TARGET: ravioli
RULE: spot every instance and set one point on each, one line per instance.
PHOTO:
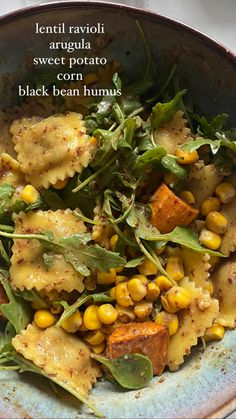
(52, 149)
(28, 269)
(193, 323)
(60, 355)
(173, 133)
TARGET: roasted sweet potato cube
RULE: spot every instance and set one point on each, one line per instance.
(145, 338)
(169, 211)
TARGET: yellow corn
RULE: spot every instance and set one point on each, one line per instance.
(147, 268)
(60, 184)
(122, 295)
(113, 293)
(90, 78)
(174, 268)
(98, 349)
(188, 197)
(106, 278)
(137, 289)
(113, 241)
(166, 305)
(73, 323)
(216, 222)
(169, 320)
(163, 283)
(120, 278)
(44, 319)
(29, 194)
(93, 140)
(95, 338)
(83, 328)
(178, 297)
(225, 192)
(210, 204)
(186, 157)
(143, 309)
(107, 314)
(169, 178)
(143, 278)
(153, 291)
(215, 332)
(96, 234)
(91, 319)
(210, 239)
(125, 314)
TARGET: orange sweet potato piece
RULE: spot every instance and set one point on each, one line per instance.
(145, 338)
(169, 211)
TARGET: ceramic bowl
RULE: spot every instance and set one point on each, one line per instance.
(206, 384)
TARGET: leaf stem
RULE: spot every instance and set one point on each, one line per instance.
(4, 227)
(10, 368)
(88, 220)
(93, 176)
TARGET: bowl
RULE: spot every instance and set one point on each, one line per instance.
(206, 384)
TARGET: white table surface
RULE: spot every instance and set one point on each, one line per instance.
(214, 17)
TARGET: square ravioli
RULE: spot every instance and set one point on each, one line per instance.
(28, 269)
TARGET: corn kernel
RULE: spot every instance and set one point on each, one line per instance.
(148, 268)
(143, 278)
(29, 194)
(120, 278)
(44, 319)
(166, 305)
(83, 328)
(113, 293)
(178, 297)
(216, 222)
(96, 234)
(137, 289)
(174, 268)
(107, 314)
(93, 140)
(60, 184)
(122, 295)
(98, 349)
(210, 204)
(72, 323)
(91, 319)
(113, 241)
(210, 239)
(90, 78)
(188, 197)
(186, 157)
(143, 309)
(106, 278)
(125, 314)
(225, 192)
(95, 337)
(215, 332)
(169, 320)
(169, 178)
(163, 283)
(153, 291)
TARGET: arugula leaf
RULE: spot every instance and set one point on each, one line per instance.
(169, 162)
(16, 311)
(101, 297)
(133, 263)
(163, 112)
(83, 199)
(4, 254)
(117, 81)
(209, 128)
(184, 236)
(132, 371)
(32, 296)
(52, 199)
(147, 159)
(214, 144)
